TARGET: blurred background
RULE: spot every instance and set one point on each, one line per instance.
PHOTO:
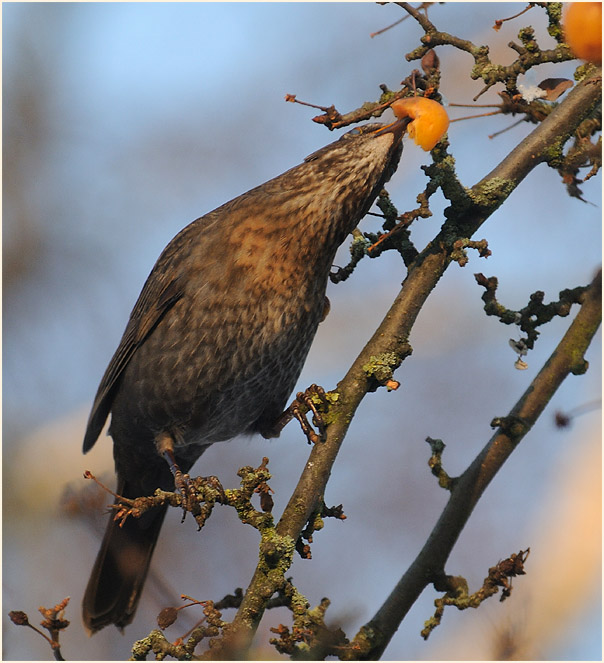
(125, 121)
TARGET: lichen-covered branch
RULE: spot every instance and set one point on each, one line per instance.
(535, 314)
(529, 52)
(457, 593)
(429, 565)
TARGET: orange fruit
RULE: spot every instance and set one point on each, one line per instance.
(583, 30)
(430, 119)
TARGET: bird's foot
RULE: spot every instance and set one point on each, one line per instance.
(310, 400)
(182, 482)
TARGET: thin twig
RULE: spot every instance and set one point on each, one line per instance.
(388, 27)
(471, 117)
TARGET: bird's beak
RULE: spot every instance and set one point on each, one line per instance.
(398, 128)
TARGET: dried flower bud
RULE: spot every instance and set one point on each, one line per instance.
(266, 502)
(554, 87)
(430, 61)
(19, 617)
(167, 617)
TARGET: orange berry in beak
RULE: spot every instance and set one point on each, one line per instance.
(430, 119)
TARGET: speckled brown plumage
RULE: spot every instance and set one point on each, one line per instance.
(219, 335)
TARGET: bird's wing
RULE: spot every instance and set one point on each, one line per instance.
(156, 299)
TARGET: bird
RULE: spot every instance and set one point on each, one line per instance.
(218, 337)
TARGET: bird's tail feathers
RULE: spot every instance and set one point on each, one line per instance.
(120, 570)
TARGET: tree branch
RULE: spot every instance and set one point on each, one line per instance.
(468, 211)
(567, 358)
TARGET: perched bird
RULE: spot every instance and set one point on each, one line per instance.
(219, 335)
